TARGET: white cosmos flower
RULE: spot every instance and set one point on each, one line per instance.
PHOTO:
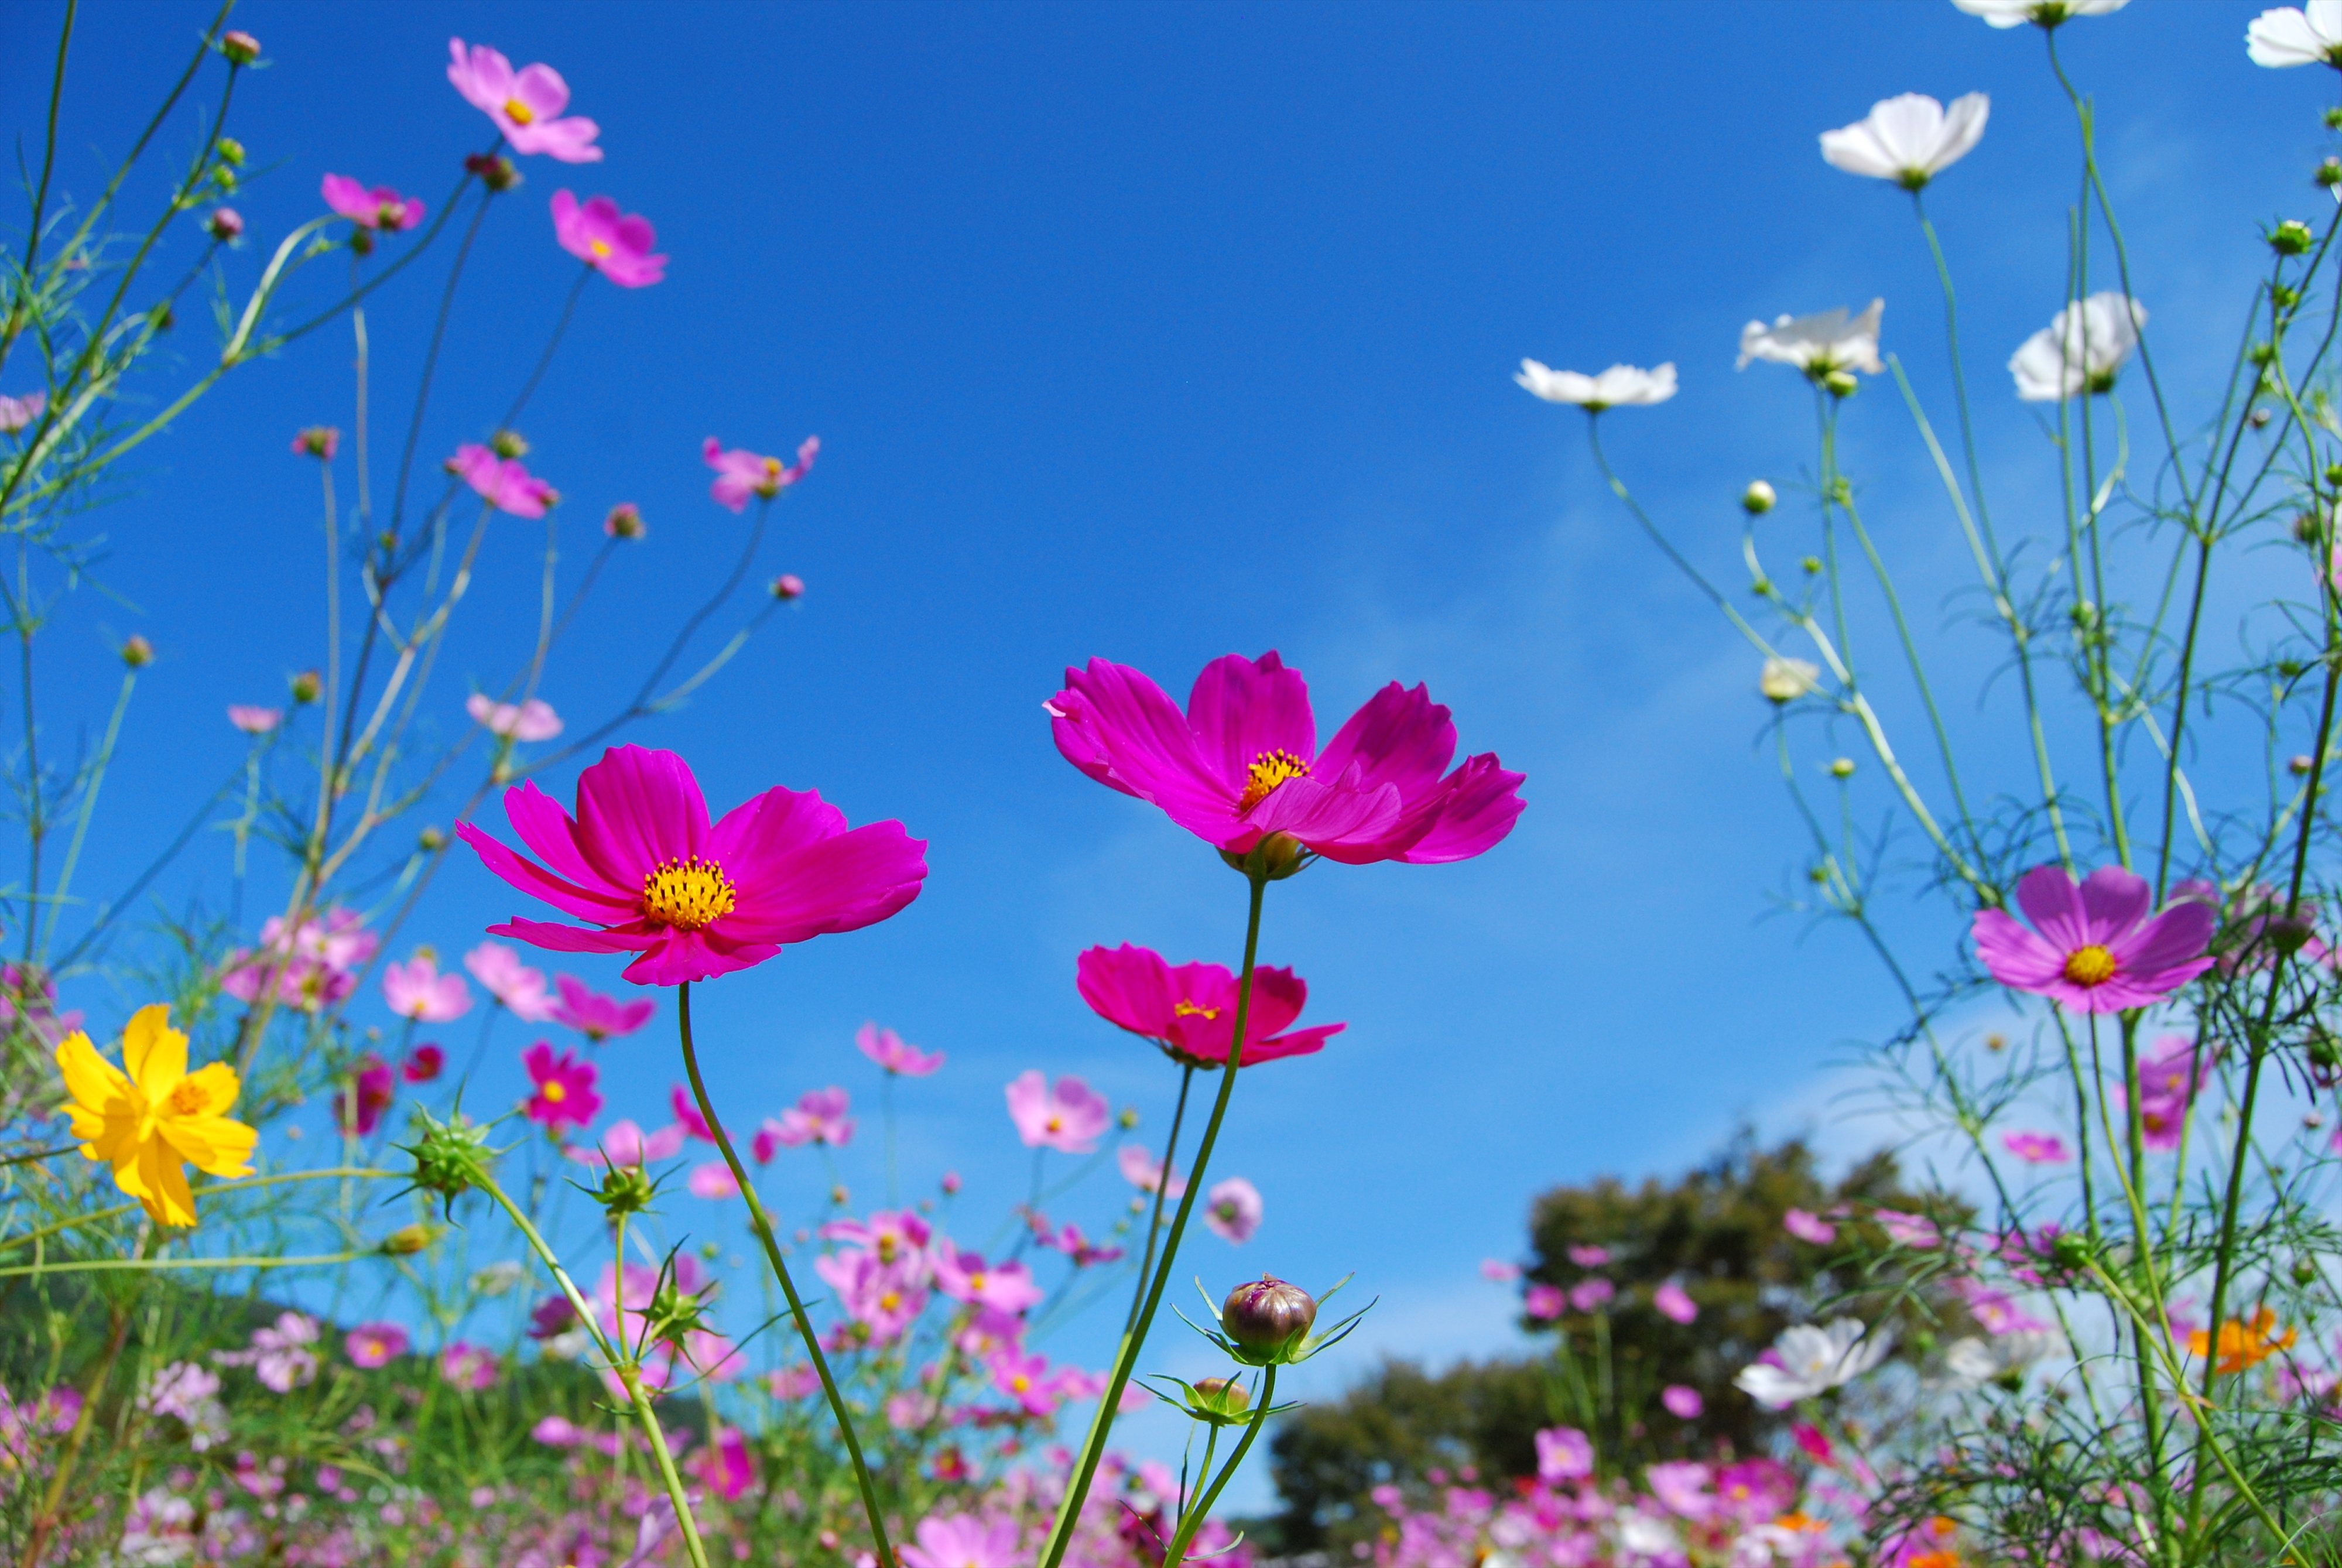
(1911, 139)
(1813, 1362)
(2307, 35)
(2079, 351)
(1620, 386)
(1974, 1362)
(1818, 344)
(1787, 680)
(2040, 13)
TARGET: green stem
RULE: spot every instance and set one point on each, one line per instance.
(1162, 1185)
(88, 807)
(1202, 1511)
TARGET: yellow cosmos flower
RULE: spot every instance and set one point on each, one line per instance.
(147, 1122)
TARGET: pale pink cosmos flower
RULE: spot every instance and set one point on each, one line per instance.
(1232, 1209)
(793, 1381)
(597, 1017)
(2096, 946)
(317, 440)
(890, 1051)
(1589, 1295)
(1681, 1488)
(374, 1345)
(1913, 1231)
(526, 104)
(468, 1366)
(1809, 1227)
(2036, 1148)
(1564, 1453)
(686, 1115)
(965, 1276)
(740, 474)
(964, 1541)
(1544, 1302)
(379, 208)
(514, 985)
(626, 1144)
(533, 720)
(1067, 1118)
(1499, 1270)
(819, 1117)
(503, 482)
(713, 1180)
(1683, 1402)
(15, 413)
(1142, 1170)
(1674, 1303)
(255, 720)
(416, 990)
(616, 245)
(280, 1355)
(1589, 1257)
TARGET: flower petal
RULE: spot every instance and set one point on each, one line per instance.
(1242, 709)
(639, 810)
(2116, 900)
(154, 1054)
(2051, 900)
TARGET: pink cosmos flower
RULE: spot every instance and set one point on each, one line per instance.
(1499, 1270)
(1080, 1250)
(514, 985)
(965, 1277)
(686, 1115)
(503, 482)
(358, 1104)
(533, 720)
(1190, 1011)
(565, 1088)
(1996, 1310)
(1684, 1403)
(626, 1144)
(318, 440)
(641, 860)
(1810, 1228)
(1681, 1488)
(1814, 1443)
(2036, 1148)
(896, 1238)
(1564, 1453)
(1754, 1492)
(766, 1144)
(2097, 949)
(889, 1049)
(1544, 1302)
(819, 1117)
(1915, 1231)
(740, 474)
(253, 720)
(1674, 1303)
(726, 1466)
(597, 1017)
(2169, 1076)
(964, 1541)
(1232, 1209)
(793, 1381)
(526, 104)
(617, 245)
(1067, 1118)
(374, 1345)
(16, 412)
(1589, 1257)
(416, 990)
(1588, 1295)
(422, 1063)
(1243, 763)
(1024, 1379)
(713, 1180)
(468, 1366)
(379, 208)
(885, 1299)
(280, 1355)
(1142, 1170)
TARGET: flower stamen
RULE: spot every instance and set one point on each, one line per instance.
(518, 113)
(1185, 1009)
(2090, 965)
(1269, 770)
(688, 894)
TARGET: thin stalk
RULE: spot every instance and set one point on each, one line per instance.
(18, 311)
(1202, 1511)
(1162, 1185)
(88, 808)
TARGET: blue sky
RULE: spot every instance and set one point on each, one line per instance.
(1156, 333)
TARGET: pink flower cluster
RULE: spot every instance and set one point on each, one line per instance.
(312, 965)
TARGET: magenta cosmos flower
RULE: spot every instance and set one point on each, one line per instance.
(1190, 1009)
(503, 482)
(964, 1541)
(565, 1093)
(740, 474)
(890, 1051)
(642, 861)
(1067, 1118)
(2095, 947)
(596, 1016)
(819, 1117)
(1243, 763)
(379, 208)
(2036, 1148)
(374, 1345)
(1811, 1229)
(526, 104)
(359, 1103)
(416, 990)
(616, 245)
(1674, 1303)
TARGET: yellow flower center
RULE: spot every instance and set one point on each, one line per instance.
(1056, 1124)
(886, 1249)
(1269, 770)
(518, 113)
(600, 249)
(688, 893)
(1190, 1010)
(554, 1091)
(975, 1282)
(889, 1301)
(1020, 1383)
(2091, 965)
(187, 1098)
(772, 468)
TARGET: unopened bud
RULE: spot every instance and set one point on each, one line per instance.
(1841, 767)
(508, 443)
(224, 224)
(431, 838)
(1220, 1396)
(240, 47)
(1129, 1117)
(840, 1195)
(1758, 498)
(361, 242)
(138, 653)
(951, 1182)
(2333, 118)
(451, 1157)
(2071, 1250)
(625, 1190)
(1812, 563)
(230, 153)
(2305, 1272)
(163, 317)
(1785, 680)
(788, 586)
(1268, 1318)
(407, 1240)
(318, 440)
(496, 170)
(625, 522)
(2259, 418)
(2298, 766)
(2291, 238)
(2305, 527)
(1273, 859)
(1996, 1042)
(306, 686)
(1841, 384)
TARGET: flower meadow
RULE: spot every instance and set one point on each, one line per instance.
(468, 1333)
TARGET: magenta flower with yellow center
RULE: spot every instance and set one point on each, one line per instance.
(156, 1117)
(503, 482)
(1190, 1009)
(616, 245)
(526, 104)
(379, 208)
(740, 474)
(565, 1093)
(1243, 763)
(643, 862)
(2096, 946)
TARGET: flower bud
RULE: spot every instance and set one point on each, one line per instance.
(2304, 1271)
(2071, 1250)
(2298, 766)
(407, 1240)
(1219, 1396)
(625, 522)
(1129, 1117)
(451, 1157)
(1812, 563)
(230, 153)
(1841, 767)
(2333, 118)
(318, 440)
(625, 1190)
(950, 1182)
(1787, 680)
(240, 47)
(840, 1195)
(508, 445)
(224, 224)
(2291, 238)
(496, 172)
(2305, 527)
(1758, 498)
(138, 653)
(1273, 859)
(163, 317)
(788, 586)
(1268, 1318)
(306, 686)
(1996, 1041)
(2259, 417)
(361, 242)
